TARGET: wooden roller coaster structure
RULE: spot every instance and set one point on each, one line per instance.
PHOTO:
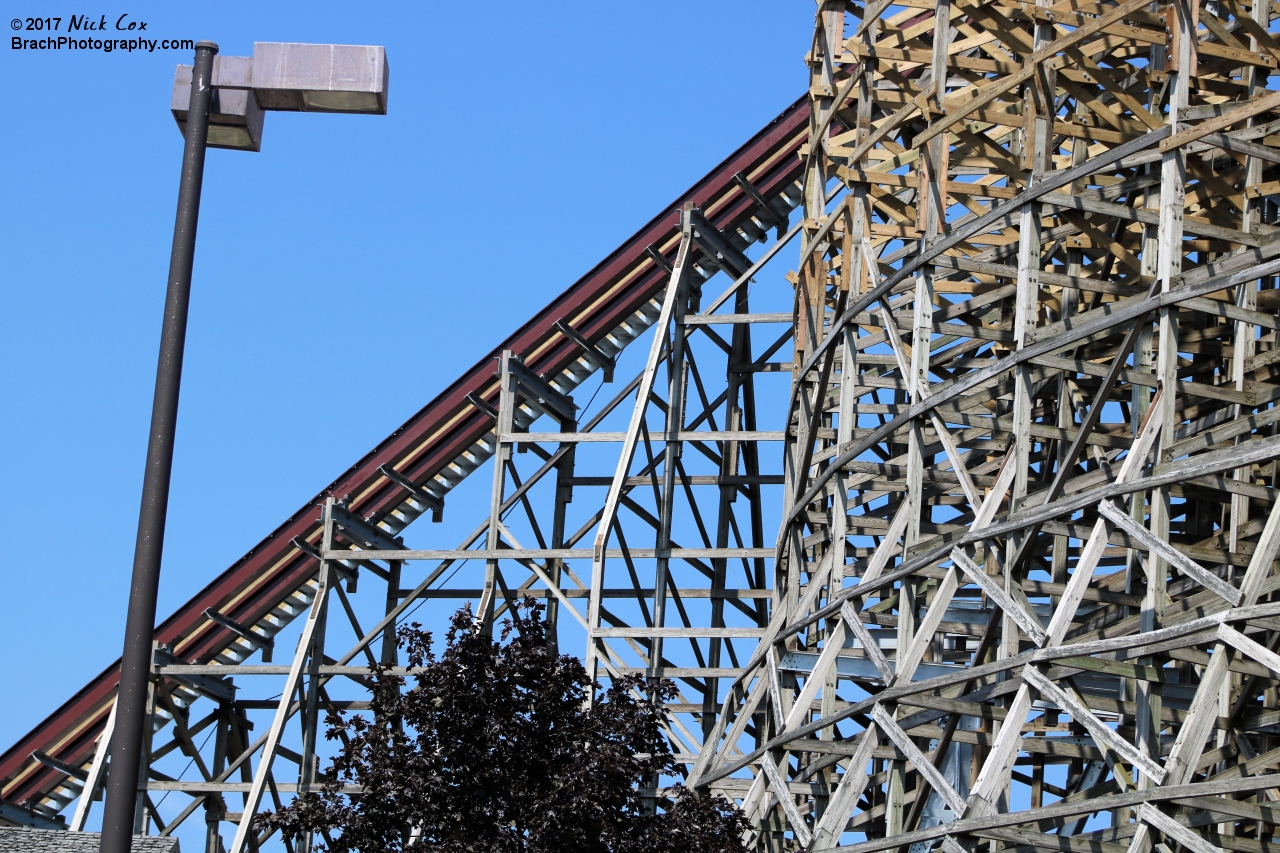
(1022, 593)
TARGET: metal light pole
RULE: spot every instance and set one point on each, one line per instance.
(289, 78)
(135, 665)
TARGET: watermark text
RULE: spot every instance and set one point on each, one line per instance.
(90, 32)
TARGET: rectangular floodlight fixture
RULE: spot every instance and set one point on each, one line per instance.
(235, 119)
(330, 78)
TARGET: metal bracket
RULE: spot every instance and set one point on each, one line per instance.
(591, 351)
(23, 816)
(658, 258)
(766, 211)
(475, 400)
(539, 393)
(217, 689)
(60, 765)
(359, 532)
(421, 495)
(260, 640)
(314, 553)
(710, 240)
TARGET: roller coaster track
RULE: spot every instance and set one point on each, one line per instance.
(1023, 593)
(751, 191)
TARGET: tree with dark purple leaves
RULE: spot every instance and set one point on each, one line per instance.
(495, 750)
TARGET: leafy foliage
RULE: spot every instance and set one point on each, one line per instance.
(495, 751)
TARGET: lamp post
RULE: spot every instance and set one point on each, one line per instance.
(218, 102)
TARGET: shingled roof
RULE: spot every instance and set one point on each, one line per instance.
(18, 839)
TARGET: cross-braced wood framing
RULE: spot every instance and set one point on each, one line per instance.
(1034, 362)
(997, 572)
(640, 513)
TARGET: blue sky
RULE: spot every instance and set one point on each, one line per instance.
(344, 274)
